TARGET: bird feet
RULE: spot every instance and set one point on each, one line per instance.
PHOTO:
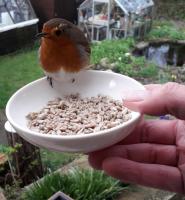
(50, 80)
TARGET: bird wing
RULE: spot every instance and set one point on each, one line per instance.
(78, 37)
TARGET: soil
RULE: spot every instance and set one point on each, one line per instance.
(3, 119)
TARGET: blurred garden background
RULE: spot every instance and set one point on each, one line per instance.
(157, 57)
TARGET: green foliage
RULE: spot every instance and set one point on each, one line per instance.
(112, 49)
(116, 51)
(166, 30)
(78, 184)
(138, 67)
(53, 160)
(6, 149)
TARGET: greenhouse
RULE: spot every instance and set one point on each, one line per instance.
(14, 12)
(112, 19)
(18, 24)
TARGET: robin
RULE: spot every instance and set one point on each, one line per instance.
(64, 49)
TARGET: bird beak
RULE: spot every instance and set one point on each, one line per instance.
(42, 34)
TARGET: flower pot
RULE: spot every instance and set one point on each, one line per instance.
(60, 196)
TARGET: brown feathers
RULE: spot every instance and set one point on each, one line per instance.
(64, 46)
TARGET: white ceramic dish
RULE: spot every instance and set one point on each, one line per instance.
(35, 95)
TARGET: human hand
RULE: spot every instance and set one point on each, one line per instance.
(154, 153)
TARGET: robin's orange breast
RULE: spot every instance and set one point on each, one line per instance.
(55, 55)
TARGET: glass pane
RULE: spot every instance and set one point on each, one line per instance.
(135, 6)
(87, 3)
(15, 11)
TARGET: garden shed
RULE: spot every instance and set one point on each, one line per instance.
(18, 24)
(111, 19)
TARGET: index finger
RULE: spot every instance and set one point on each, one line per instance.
(158, 100)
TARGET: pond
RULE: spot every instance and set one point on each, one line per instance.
(163, 53)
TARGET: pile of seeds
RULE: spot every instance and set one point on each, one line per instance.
(74, 115)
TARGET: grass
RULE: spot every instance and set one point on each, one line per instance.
(79, 184)
(53, 161)
(17, 70)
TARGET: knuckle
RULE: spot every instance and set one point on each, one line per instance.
(169, 91)
(179, 129)
(146, 129)
(153, 154)
(170, 87)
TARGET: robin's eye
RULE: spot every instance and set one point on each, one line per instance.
(58, 32)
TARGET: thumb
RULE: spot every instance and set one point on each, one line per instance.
(158, 100)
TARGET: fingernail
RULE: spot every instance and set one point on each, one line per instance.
(134, 95)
